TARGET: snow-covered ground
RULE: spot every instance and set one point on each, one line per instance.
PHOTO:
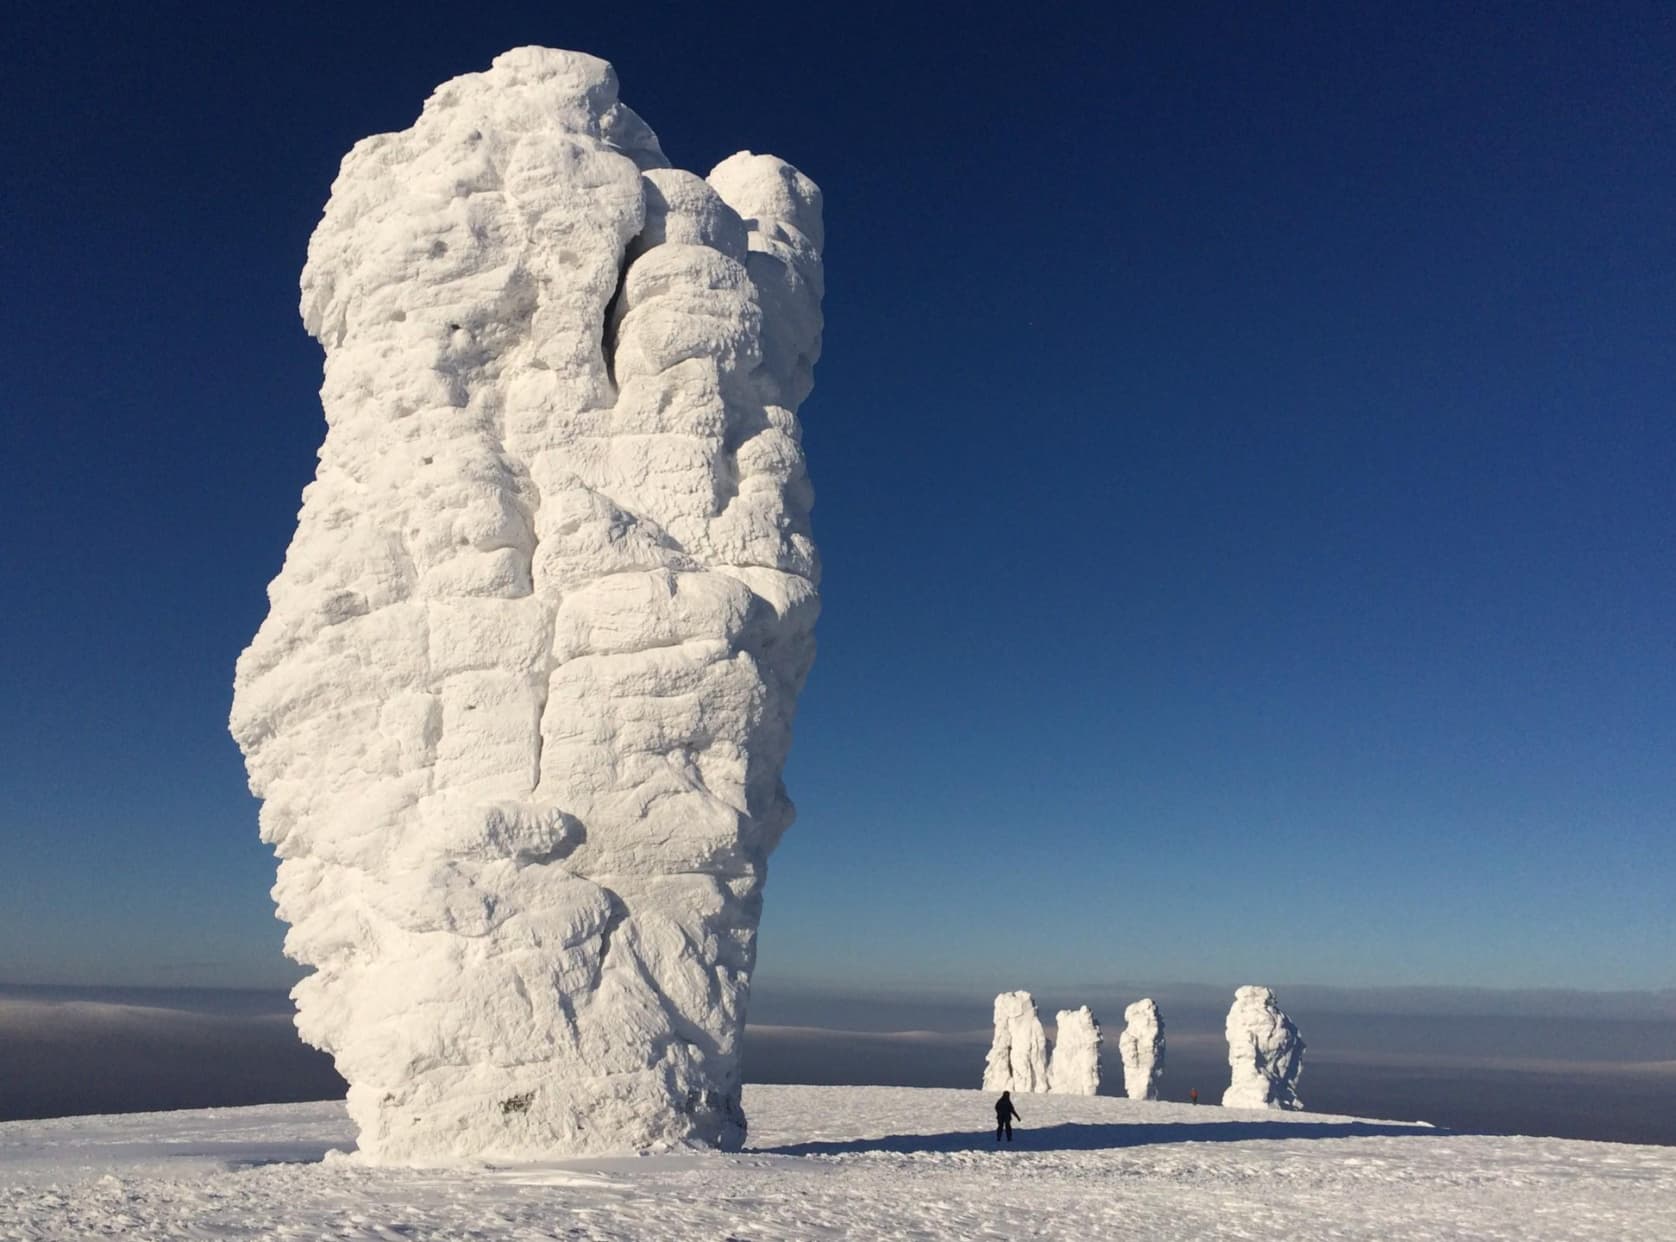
(845, 1162)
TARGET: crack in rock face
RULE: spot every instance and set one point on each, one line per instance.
(519, 709)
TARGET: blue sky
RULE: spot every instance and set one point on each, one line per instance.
(1244, 456)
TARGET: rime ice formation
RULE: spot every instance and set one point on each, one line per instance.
(521, 703)
(1264, 1053)
(1018, 1056)
(1075, 1066)
(1142, 1048)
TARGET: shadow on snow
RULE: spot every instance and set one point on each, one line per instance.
(1069, 1137)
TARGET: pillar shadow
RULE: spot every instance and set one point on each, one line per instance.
(1071, 1137)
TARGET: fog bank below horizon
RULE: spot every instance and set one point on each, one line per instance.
(67, 1051)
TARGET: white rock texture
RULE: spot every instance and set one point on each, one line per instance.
(519, 710)
(1264, 1053)
(1018, 1056)
(1142, 1048)
(1074, 1068)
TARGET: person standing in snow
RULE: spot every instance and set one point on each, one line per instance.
(1193, 1095)
(1005, 1114)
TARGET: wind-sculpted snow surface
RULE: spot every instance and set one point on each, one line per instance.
(1264, 1053)
(864, 1164)
(1142, 1048)
(520, 706)
(1018, 1056)
(1075, 1066)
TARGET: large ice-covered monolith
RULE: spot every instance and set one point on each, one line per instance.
(1018, 1056)
(520, 706)
(1074, 1068)
(1142, 1048)
(1264, 1053)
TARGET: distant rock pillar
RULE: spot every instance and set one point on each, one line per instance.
(1075, 1066)
(1018, 1056)
(1265, 1053)
(1142, 1048)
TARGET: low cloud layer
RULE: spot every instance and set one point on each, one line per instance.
(64, 1056)
(64, 1052)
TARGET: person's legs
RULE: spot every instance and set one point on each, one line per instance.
(1009, 1130)
(998, 1126)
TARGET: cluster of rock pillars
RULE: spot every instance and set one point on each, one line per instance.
(1265, 1053)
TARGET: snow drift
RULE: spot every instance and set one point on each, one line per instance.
(1018, 1056)
(520, 707)
(1075, 1066)
(1264, 1053)
(1142, 1048)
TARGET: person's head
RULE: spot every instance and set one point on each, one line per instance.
(1006, 1095)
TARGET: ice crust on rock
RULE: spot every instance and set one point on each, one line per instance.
(1265, 1054)
(1018, 1056)
(519, 709)
(1074, 1068)
(1141, 1046)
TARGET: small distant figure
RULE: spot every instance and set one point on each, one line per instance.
(1005, 1115)
(1193, 1096)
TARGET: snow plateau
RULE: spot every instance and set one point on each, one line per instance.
(857, 1163)
(519, 710)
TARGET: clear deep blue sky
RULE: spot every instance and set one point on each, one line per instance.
(1244, 451)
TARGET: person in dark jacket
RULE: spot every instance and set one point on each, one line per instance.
(1005, 1114)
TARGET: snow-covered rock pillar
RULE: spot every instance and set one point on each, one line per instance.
(1074, 1068)
(520, 707)
(1018, 1056)
(1264, 1053)
(1142, 1048)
